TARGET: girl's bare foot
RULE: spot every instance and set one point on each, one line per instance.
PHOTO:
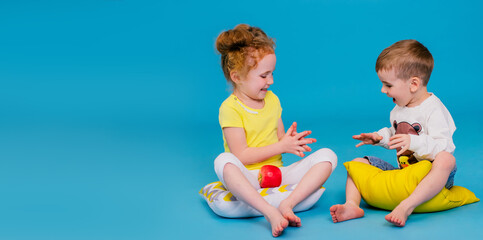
(287, 212)
(345, 212)
(277, 221)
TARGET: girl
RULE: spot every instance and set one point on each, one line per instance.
(253, 130)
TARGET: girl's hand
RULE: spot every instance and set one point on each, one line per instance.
(400, 141)
(294, 132)
(367, 138)
(293, 142)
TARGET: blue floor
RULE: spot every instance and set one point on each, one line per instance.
(108, 111)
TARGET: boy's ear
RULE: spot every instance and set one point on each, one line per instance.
(415, 83)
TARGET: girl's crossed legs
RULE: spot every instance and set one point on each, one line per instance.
(309, 174)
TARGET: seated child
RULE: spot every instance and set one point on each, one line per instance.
(253, 131)
(421, 128)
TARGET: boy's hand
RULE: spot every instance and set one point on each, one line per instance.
(296, 143)
(400, 141)
(367, 138)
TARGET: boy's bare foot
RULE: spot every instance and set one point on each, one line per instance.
(347, 211)
(287, 212)
(277, 221)
(399, 215)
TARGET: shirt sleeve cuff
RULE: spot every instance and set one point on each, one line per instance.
(385, 137)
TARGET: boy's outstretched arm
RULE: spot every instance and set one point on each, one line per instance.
(367, 138)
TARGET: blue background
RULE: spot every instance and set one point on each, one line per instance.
(109, 110)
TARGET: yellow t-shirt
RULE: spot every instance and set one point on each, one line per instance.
(260, 125)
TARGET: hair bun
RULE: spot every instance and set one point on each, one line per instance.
(239, 44)
(234, 39)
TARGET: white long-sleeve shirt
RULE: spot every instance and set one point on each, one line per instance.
(436, 128)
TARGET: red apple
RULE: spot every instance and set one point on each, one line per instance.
(269, 176)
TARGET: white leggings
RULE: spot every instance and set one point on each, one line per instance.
(291, 174)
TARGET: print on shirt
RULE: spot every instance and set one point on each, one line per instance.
(407, 128)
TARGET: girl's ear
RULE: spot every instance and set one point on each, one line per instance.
(415, 83)
(234, 76)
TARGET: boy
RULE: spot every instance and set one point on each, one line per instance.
(422, 128)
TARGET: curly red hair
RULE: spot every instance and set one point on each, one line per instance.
(241, 48)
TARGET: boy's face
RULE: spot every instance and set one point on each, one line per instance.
(397, 89)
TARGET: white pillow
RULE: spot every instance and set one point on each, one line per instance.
(223, 203)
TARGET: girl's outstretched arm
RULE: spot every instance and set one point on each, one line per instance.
(236, 140)
(281, 133)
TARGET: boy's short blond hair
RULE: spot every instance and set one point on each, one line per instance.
(409, 58)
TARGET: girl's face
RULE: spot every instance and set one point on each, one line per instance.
(254, 86)
(397, 89)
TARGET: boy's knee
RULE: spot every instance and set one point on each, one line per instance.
(362, 160)
(444, 160)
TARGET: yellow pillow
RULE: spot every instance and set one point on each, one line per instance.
(386, 189)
